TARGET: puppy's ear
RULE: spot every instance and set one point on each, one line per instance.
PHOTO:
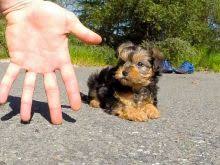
(158, 58)
(124, 50)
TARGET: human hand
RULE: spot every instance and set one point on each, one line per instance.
(37, 41)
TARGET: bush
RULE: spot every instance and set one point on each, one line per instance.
(174, 49)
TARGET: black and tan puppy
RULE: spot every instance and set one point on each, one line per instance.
(128, 90)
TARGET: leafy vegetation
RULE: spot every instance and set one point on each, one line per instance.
(3, 48)
(179, 51)
(182, 29)
(153, 20)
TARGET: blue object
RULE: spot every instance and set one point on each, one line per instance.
(185, 68)
(167, 67)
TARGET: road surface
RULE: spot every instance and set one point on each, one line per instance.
(188, 131)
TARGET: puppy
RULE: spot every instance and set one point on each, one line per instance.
(129, 89)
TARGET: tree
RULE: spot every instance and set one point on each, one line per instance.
(71, 5)
(153, 20)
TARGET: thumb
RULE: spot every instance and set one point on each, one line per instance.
(75, 27)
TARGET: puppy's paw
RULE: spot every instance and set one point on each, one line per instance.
(152, 111)
(94, 104)
(132, 114)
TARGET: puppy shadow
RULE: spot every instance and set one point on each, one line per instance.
(37, 107)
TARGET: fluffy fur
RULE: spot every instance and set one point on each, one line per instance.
(129, 89)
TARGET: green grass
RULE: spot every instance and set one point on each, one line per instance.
(210, 62)
(3, 50)
(205, 60)
(214, 62)
(88, 55)
(81, 54)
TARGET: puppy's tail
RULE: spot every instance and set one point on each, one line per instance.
(85, 98)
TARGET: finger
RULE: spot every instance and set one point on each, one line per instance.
(80, 31)
(27, 94)
(72, 88)
(7, 81)
(53, 96)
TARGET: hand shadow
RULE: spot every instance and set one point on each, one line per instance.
(37, 107)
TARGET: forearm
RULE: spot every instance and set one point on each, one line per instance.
(7, 6)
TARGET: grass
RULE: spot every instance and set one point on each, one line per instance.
(205, 60)
(3, 49)
(210, 62)
(88, 55)
(214, 62)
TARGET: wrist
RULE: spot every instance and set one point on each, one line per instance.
(7, 6)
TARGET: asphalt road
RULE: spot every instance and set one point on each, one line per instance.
(188, 131)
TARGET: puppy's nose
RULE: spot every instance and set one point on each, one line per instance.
(125, 73)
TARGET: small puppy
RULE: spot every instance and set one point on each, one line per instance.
(128, 90)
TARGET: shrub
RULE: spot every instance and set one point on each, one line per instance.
(174, 49)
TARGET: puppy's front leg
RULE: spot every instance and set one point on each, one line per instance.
(94, 103)
(131, 113)
(151, 111)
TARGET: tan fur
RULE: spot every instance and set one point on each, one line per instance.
(152, 111)
(94, 103)
(121, 50)
(125, 95)
(134, 75)
(130, 111)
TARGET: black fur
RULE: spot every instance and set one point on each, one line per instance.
(105, 85)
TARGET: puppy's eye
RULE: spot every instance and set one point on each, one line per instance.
(140, 64)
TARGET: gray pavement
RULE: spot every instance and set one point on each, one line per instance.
(188, 131)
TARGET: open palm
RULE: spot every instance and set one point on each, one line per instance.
(37, 41)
